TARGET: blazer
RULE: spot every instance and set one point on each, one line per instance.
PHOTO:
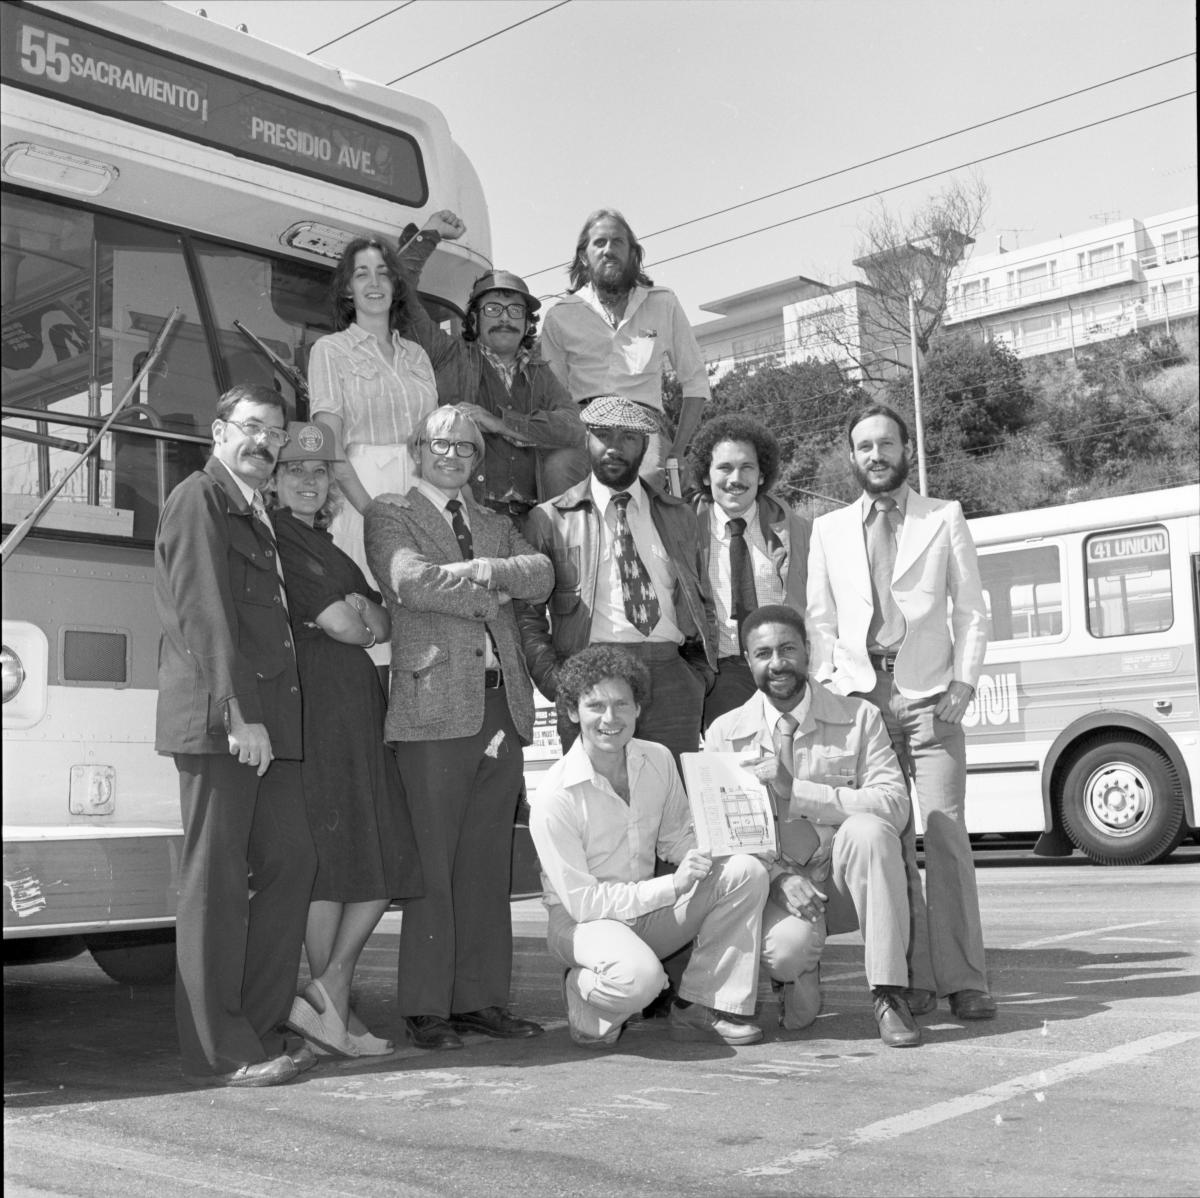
(439, 622)
(935, 566)
(787, 535)
(225, 631)
(567, 530)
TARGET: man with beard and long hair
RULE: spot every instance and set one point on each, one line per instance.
(841, 806)
(615, 330)
(627, 572)
(882, 574)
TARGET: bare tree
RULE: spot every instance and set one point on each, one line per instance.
(901, 256)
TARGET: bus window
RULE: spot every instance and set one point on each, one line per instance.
(1023, 592)
(284, 304)
(1129, 582)
(92, 294)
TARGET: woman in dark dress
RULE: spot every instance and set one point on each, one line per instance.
(357, 811)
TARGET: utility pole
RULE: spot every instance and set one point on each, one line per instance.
(922, 474)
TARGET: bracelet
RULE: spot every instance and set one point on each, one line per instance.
(371, 634)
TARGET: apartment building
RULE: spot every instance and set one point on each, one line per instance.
(1059, 295)
(1089, 286)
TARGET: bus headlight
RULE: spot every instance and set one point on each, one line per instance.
(13, 672)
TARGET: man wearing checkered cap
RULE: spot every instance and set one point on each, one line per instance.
(627, 572)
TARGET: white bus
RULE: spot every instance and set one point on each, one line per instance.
(1085, 726)
(150, 160)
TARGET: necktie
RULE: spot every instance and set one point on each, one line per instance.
(743, 597)
(798, 839)
(887, 624)
(461, 531)
(259, 511)
(637, 591)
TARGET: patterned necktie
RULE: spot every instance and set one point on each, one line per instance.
(637, 591)
(259, 511)
(886, 629)
(461, 531)
(743, 597)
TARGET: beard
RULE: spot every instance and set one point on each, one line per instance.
(615, 472)
(889, 482)
(613, 277)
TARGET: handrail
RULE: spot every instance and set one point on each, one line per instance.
(23, 529)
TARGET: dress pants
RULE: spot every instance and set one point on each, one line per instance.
(947, 941)
(621, 963)
(456, 940)
(734, 685)
(244, 884)
(671, 716)
(866, 889)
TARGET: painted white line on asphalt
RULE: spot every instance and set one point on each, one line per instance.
(1117, 927)
(954, 1108)
(1130, 975)
(1141, 939)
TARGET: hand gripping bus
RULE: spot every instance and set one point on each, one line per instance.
(152, 160)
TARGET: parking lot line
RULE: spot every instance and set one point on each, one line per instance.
(1117, 927)
(940, 1112)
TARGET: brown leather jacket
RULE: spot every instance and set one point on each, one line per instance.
(567, 531)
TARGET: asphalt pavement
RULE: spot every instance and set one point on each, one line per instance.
(1088, 1082)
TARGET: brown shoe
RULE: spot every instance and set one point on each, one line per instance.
(274, 1072)
(897, 1027)
(972, 1004)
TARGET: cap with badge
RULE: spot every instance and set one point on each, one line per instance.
(612, 411)
(309, 443)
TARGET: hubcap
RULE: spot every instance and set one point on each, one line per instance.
(1118, 799)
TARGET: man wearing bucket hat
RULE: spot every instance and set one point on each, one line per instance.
(492, 373)
(627, 572)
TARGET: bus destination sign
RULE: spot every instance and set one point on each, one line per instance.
(1135, 548)
(80, 65)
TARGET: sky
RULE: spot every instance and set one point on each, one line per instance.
(673, 109)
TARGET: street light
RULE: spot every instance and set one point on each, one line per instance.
(922, 473)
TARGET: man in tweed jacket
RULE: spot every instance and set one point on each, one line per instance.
(459, 712)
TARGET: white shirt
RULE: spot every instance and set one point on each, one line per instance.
(609, 622)
(767, 586)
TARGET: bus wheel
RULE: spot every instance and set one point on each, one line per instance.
(133, 959)
(1122, 803)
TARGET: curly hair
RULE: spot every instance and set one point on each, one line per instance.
(339, 288)
(735, 428)
(590, 667)
(470, 329)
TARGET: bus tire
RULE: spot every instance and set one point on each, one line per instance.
(1122, 802)
(133, 960)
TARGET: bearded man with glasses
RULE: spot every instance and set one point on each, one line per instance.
(460, 711)
(492, 373)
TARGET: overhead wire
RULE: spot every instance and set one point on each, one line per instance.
(350, 32)
(462, 50)
(878, 191)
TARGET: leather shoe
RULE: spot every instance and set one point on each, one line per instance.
(921, 1002)
(431, 1031)
(274, 1072)
(897, 1027)
(495, 1022)
(972, 1004)
(698, 1022)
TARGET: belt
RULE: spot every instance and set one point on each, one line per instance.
(886, 662)
(493, 679)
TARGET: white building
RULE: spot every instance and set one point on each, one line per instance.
(1089, 286)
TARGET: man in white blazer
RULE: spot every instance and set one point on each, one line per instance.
(896, 615)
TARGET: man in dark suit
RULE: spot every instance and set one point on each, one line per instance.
(229, 713)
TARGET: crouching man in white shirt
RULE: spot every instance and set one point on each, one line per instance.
(597, 821)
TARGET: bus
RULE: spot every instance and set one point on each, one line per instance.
(1085, 726)
(152, 160)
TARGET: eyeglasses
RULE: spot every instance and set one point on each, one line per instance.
(514, 311)
(278, 437)
(462, 449)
